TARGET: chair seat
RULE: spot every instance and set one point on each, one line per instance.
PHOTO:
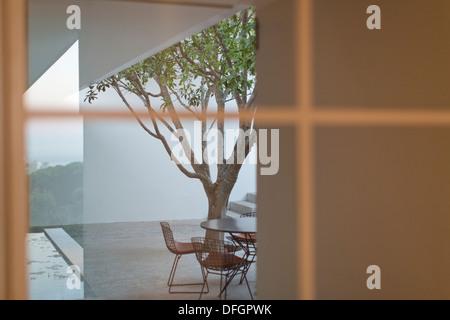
(245, 237)
(218, 260)
(184, 247)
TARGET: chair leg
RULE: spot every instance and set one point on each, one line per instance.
(244, 272)
(226, 285)
(229, 276)
(248, 286)
(220, 287)
(247, 268)
(205, 281)
(172, 271)
(172, 277)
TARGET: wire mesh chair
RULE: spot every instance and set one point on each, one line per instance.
(218, 257)
(179, 249)
(246, 241)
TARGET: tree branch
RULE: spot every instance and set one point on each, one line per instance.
(192, 62)
(119, 92)
(187, 173)
(158, 134)
(226, 53)
(197, 116)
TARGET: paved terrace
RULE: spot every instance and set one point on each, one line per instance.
(130, 261)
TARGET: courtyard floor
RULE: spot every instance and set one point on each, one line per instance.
(124, 261)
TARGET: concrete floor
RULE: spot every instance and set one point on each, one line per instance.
(131, 261)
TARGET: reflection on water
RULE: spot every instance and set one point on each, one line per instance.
(47, 271)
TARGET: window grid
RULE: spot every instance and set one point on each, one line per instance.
(14, 197)
(304, 155)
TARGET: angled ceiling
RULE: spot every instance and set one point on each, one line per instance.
(115, 34)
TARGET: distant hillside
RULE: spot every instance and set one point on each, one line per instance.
(56, 195)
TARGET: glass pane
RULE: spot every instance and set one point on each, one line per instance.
(130, 186)
(382, 199)
(403, 65)
(126, 176)
(277, 58)
(277, 221)
(55, 239)
(98, 192)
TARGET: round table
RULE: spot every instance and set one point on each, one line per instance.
(231, 225)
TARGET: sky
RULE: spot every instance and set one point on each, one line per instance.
(56, 140)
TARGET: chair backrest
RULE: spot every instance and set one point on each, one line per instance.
(215, 254)
(168, 237)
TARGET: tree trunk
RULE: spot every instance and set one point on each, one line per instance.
(218, 195)
(217, 208)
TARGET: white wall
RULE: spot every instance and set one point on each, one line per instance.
(128, 176)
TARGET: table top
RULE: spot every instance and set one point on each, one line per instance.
(231, 225)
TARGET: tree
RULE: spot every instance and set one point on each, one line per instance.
(56, 195)
(219, 63)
